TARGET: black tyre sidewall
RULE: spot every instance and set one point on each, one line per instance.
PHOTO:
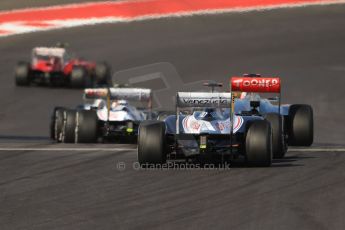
(69, 126)
(102, 74)
(258, 144)
(52, 123)
(278, 145)
(22, 73)
(79, 78)
(152, 143)
(59, 122)
(301, 125)
(87, 130)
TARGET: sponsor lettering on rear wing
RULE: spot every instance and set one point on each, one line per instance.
(203, 99)
(130, 94)
(255, 84)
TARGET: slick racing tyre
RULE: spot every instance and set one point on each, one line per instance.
(56, 125)
(86, 126)
(152, 143)
(22, 74)
(102, 74)
(278, 141)
(69, 126)
(258, 144)
(80, 78)
(301, 125)
(53, 122)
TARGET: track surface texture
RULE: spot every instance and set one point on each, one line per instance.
(85, 189)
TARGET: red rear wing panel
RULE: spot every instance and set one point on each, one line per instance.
(255, 84)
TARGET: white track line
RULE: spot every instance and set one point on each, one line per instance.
(321, 149)
(68, 149)
(317, 150)
(17, 27)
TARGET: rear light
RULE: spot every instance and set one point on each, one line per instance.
(203, 142)
(129, 127)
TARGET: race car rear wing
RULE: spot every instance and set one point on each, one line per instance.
(203, 99)
(130, 94)
(200, 100)
(255, 84)
(49, 51)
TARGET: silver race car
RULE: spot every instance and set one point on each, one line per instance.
(107, 116)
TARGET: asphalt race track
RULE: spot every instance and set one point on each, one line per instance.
(51, 186)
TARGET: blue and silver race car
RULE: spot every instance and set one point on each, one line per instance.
(228, 125)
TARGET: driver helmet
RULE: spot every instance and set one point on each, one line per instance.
(209, 114)
(122, 102)
(118, 104)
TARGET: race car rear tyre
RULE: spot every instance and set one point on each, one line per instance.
(278, 141)
(53, 121)
(22, 72)
(102, 74)
(80, 78)
(301, 125)
(69, 126)
(56, 127)
(152, 143)
(86, 126)
(258, 144)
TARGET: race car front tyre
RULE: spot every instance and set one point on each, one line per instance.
(22, 72)
(102, 74)
(86, 126)
(80, 78)
(278, 141)
(301, 125)
(151, 143)
(69, 126)
(258, 144)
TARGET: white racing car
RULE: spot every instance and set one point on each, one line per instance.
(109, 116)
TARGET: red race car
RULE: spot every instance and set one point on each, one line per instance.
(52, 66)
